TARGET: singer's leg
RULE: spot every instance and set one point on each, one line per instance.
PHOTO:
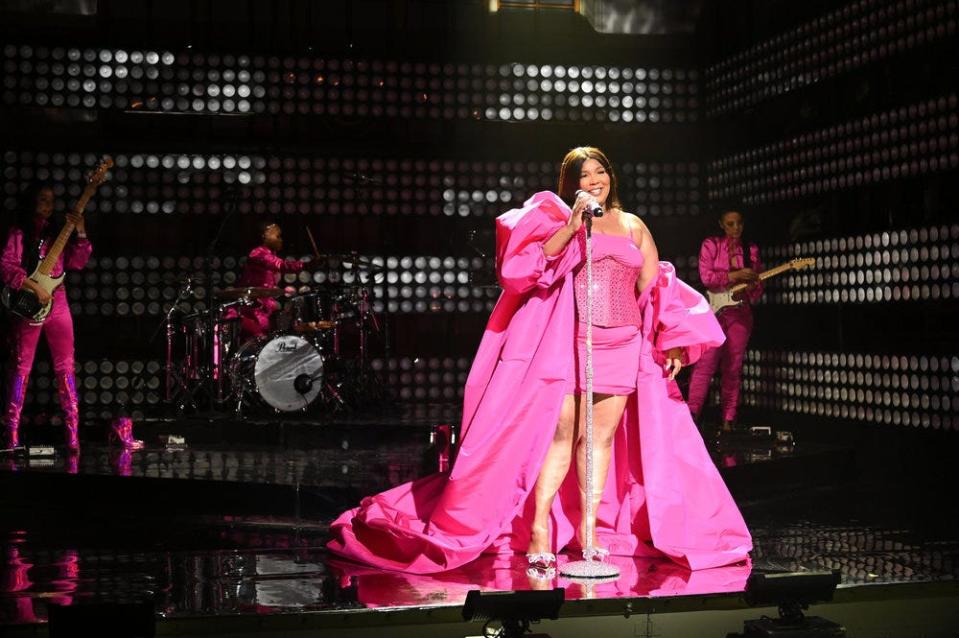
(607, 413)
(551, 475)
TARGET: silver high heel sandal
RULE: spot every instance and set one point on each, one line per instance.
(598, 553)
(541, 574)
(542, 560)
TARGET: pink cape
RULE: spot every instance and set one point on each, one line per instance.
(664, 496)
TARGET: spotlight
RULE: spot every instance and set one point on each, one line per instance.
(515, 610)
(792, 593)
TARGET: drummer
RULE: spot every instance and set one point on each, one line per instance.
(263, 269)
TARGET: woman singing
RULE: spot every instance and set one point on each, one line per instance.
(513, 487)
(27, 242)
(722, 263)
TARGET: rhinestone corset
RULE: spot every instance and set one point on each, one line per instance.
(616, 268)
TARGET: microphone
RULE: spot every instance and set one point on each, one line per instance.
(593, 206)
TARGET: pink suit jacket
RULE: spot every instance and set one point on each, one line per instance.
(714, 265)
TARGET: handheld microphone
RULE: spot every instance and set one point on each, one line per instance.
(593, 206)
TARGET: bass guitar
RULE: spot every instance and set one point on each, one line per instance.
(24, 302)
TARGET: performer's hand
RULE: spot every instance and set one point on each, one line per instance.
(750, 286)
(579, 207)
(42, 295)
(77, 220)
(674, 362)
(742, 275)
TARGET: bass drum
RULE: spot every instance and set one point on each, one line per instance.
(285, 371)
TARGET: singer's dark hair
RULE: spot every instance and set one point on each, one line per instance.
(570, 171)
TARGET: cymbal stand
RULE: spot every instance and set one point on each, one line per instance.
(174, 377)
(210, 379)
(220, 349)
(176, 382)
(368, 383)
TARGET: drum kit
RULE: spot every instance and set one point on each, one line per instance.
(316, 359)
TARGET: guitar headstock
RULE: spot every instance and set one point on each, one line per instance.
(100, 174)
(802, 262)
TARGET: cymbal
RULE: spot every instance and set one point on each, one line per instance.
(301, 327)
(251, 292)
(365, 265)
(355, 260)
(327, 286)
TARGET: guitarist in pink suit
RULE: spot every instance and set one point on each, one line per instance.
(27, 242)
(722, 263)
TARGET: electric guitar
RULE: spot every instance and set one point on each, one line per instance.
(24, 302)
(720, 300)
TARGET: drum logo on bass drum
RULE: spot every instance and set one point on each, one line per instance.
(282, 346)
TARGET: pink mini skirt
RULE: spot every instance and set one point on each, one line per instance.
(615, 359)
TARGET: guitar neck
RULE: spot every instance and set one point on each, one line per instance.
(772, 272)
(766, 274)
(53, 254)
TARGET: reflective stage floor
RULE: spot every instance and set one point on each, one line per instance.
(228, 538)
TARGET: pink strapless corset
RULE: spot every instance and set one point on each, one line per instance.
(617, 262)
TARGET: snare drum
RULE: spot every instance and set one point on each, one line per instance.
(283, 371)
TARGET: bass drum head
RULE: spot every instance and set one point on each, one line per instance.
(280, 362)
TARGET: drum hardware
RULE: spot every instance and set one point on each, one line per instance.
(353, 303)
(318, 359)
(198, 345)
(213, 381)
(303, 382)
(279, 371)
(333, 399)
(175, 379)
(248, 294)
(184, 379)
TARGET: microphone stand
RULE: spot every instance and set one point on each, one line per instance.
(138, 381)
(589, 567)
(214, 381)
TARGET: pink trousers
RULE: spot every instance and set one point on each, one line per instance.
(58, 329)
(737, 323)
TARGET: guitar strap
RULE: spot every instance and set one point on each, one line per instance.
(748, 250)
(34, 255)
(33, 248)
